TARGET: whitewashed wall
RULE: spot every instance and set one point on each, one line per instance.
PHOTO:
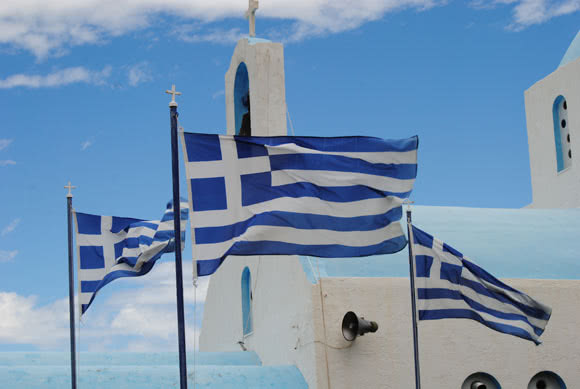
(288, 329)
(550, 188)
(283, 325)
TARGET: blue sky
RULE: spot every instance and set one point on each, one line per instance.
(81, 97)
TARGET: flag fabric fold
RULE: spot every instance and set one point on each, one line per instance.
(449, 285)
(325, 197)
(110, 247)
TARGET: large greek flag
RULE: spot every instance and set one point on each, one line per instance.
(109, 247)
(449, 285)
(324, 197)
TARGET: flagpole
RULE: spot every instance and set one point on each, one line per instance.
(177, 230)
(413, 304)
(71, 288)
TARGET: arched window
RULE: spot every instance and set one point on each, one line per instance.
(247, 301)
(242, 101)
(480, 381)
(546, 380)
(562, 134)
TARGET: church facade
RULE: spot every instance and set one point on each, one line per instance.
(289, 310)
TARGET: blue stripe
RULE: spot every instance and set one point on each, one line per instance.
(89, 286)
(439, 293)
(184, 214)
(121, 223)
(205, 147)
(436, 314)
(257, 188)
(208, 267)
(348, 144)
(147, 266)
(324, 251)
(340, 163)
(207, 235)
(147, 224)
(450, 272)
(484, 275)
(526, 309)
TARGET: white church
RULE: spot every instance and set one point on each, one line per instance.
(285, 313)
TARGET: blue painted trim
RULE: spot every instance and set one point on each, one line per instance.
(241, 89)
(247, 320)
(573, 52)
(557, 133)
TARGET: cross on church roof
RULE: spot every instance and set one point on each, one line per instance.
(69, 187)
(251, 15)
(173, 93)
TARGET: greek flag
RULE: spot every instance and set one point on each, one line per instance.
(449, 285)
(324, 197)
(109, 247)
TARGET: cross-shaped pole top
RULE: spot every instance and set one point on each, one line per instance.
(69, 187)
(173, 93)
(251, 15)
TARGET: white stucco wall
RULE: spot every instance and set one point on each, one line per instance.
(550, 188)
(450, 350)
(265, 64)
(283, 327)
(288, 329)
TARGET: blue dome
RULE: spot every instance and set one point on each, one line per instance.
(573, 52)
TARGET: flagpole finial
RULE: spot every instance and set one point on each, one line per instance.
(173, 93)
(408, 203)
(69, 187)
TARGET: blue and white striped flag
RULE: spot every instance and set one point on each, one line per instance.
(449, 285)
(323, 197)
(109, 247)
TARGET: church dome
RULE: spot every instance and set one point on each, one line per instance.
(573, 51)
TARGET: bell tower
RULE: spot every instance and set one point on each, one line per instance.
(553, 120)
(255, 89)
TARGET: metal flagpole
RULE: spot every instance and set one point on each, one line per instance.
(413, 304)
(71, 288)
(177, 231)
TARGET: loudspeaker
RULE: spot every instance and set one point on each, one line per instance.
(352, 326)
(478, 385)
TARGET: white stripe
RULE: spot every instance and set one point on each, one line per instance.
(332, 178)
(310, 205)
(444, 256)
(387, 157)
(460, 304)
(91, 274)
(519, 297)
(486, 301)
(302, 237)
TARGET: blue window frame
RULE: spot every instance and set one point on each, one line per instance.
(247, 301)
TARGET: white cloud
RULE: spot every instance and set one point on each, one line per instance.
(139, 73)
(58, 78)
(196, 33)
(7, 162)
(7, 256)
(5, 143)
(86, 144)
(49, 27)
(530, 12)
(217, 94)
(142, 318)
(10, 227)
(22, 321)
